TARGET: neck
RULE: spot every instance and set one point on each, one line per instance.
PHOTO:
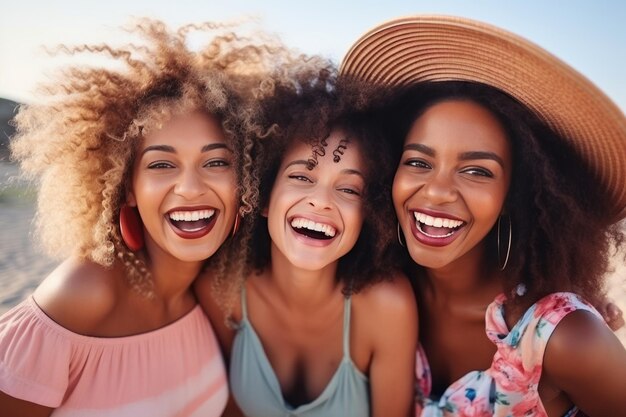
(171, 277)
(300, 288)
(468, 277)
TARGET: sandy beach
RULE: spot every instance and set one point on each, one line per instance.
(23, 265)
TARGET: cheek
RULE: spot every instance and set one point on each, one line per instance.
(148, 190)
(487, 206)
(354, 216)
(273, 210)
(359, 217)
(400, 191)
(225, 186)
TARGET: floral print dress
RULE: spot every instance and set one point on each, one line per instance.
(509, 387)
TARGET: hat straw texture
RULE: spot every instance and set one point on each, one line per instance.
(443, 48)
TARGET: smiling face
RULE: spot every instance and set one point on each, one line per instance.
(183, 185)
(315, 216)
(452, 182)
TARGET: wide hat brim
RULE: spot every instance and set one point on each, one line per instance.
(442, 48)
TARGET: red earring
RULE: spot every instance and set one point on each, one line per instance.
(236, 225)
(131, 228)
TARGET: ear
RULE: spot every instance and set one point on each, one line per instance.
(265, 211)
(504, 210)
(130, 198)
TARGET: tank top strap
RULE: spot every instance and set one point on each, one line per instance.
(347, 302)
(244, 306)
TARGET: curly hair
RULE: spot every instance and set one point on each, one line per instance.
(306, 106)
(562, 238)
(80, 142)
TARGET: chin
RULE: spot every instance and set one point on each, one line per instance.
(428, 260)
(309, 264)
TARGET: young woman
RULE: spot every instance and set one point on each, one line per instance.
(142, 182)
(323, 326)
(511, 175)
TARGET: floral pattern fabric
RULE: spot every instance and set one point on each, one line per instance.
(509, 387)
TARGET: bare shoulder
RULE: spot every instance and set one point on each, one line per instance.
(218, 313)
(584, 339)
(78, 294)
(386, 307)
(211, 301)
(595, 384)
(385, 339)
(393, 296)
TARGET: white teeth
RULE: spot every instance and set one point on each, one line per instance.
(191, 216)
(300, 223)
(436, 221)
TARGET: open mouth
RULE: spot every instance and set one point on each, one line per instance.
(436, 227)
(191, 223)
(313, 230)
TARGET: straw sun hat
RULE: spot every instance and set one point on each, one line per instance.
(443, 48)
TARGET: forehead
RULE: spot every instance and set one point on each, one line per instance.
(460, 123)
(339, 151)
(185, 128)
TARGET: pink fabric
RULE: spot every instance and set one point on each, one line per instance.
(173, 371)
(509, 387)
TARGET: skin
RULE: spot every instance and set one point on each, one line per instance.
(296, 304)
(435, 175)
(184, 165)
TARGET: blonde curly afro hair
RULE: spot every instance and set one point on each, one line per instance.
(79, 143)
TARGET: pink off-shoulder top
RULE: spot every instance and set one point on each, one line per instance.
(175, 371)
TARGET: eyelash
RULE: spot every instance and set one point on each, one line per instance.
(300, 178)
(216, 163)
(482, 172)
(160, 165)
(350, 191)
(419, 163)
(344, 190)
(209, 164)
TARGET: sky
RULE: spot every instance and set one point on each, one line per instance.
(588, 35)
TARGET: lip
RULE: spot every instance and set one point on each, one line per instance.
(309, 241)
(197, 233)
(429, 240)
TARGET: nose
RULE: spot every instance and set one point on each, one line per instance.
(440, 189)
(320, 198)
(190, 184)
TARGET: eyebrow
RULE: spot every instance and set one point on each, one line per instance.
(171, 149)
(420, 148)
(465, 156)
(343, 171)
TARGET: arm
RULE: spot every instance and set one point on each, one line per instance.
(393, 321)
(33, 361)
(19, 408)
(225, 334)
(215, 313)
(596, 383)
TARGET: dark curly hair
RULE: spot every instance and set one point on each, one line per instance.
(562, 238)
(306, 107)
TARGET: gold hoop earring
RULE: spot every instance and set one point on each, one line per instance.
(400, 236)
(508, 248)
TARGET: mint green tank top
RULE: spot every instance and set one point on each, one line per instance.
(257, 390)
